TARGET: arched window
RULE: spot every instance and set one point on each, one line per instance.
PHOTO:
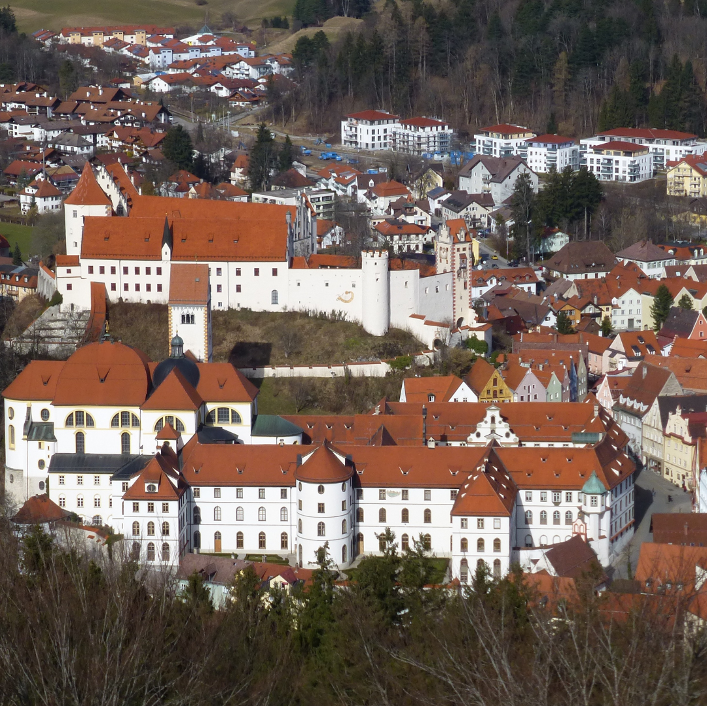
(344, 554)
(165, 529)
(197, 516)
(544, 517)
(556, 539)
(235, 417)
(404, 542)
(528, 515)
(261, 514)
(556, 517)
(12, 436)
(217, 514)
(480, 563)
(464, 571)
(261, 540)
(404, 515)
(151, 551)
(284, 540)
(125, 443)
(427, 516)
(80, 442)
(299, 526)
(496, 571)
(239, 540)
(136, 529)
(382, 542)
(283, 514)
(463, 544)
(497, 545)
(320, 489)
(569, 518)
(544, 540)
(274, 296)
(360, 514)
(426, 542)
(344, 526)
(197, 540)
(480, 545)
(176, 423)
(320, 529)
(360, 543)
(126, 419)
(151, 529)
(528, 541)
(382, 514)
(135, 551)
(97, 501)
(239, 514)
(96, 520)
(80, 419)
(165, 551)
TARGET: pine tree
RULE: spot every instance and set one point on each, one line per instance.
(552, 125)
(262, 159)
(285, 158)
(563, 324)
(523, 210)
(661, 307)
(495, 28)
(606, 327)
(685, 302)
(17, 255)
(177, 147)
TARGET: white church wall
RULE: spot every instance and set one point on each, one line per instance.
(327, 291)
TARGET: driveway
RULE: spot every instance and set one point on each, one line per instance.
(645, 505)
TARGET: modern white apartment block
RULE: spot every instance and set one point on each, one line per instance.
(419, 135)
(369, 130)
(503, 141)
(619, 161)
(547, 151)
(664, 145)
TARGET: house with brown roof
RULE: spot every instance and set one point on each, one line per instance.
(628, 349)
(581, 260)
(645, 254)
(494, 175)
(487, 383)
(448, 388)
(684, 528)
(690, 372)
(684, 324)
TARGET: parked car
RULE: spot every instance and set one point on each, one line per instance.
(495, 257)
(305, 151)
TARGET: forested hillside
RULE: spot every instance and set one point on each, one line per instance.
(571, 66)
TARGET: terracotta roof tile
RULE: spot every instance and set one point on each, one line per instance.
(174, 393)
(324, 465)
(87, 191)
(189, 284)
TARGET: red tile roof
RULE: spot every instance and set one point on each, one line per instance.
(38, 510)
(174, 393)
(87, 191)
(189, 284)
(324, 465)
(372, 115)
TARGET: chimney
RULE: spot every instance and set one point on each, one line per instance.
(431, 443)
(685, 529)
(425, 422)
(596, 409)
(644, 372)
(594, 299)
(288, 217)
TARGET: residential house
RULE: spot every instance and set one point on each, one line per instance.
(43, 195)
(608, 388)
(369, 130)
(379, 198)
(401, 236)
(17, 281)
(628, 349)
(681, 323)
(482, 281)
(494, 175)
(654, 426)
(418, 136)
(681, 434)
(685, 348)
(588, 259)
(568, 363)
(447, 388)
(687, 529)
(502, 141)
(428, 178)
(547, 152)
(687, 176)
(646, 384)
(239, 170)
(690, 372)
(474, 209)
(552, 240)
(487, 383)
(619, 161)
(523, 383)
(648, 257)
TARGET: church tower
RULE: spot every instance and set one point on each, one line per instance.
(189, 309)
(87, 199)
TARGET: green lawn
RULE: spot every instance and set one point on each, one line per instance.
(16, 233)
(270, 558)
(36, 14)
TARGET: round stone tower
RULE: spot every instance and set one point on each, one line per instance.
(376, 312)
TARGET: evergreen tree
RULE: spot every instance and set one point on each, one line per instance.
(199, 137)
(606, 327)
(495, 28)
(685, 302)
(7, 20)
(523, 203)
(585, 195)
(67, 78)
(177, 147)
(285, 158)
(262, 159)
(552, 125)
(17, 255)
(563, 324)
(661, 306)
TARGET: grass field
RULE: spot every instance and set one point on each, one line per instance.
(16, 233)
(35, 14)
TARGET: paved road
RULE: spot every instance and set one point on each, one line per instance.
(644, 506)
(485, 248)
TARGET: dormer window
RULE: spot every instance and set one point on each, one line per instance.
(150, 488)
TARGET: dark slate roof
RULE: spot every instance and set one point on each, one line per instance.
(273, 425)
(644, 251)
(217, 435)
(582, 256)
(680, 322)
(121, 467)
(498, 167)
(572, 558)
(41, 431)
(688, 403)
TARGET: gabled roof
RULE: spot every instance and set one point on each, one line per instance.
(38, 510)
(489, 490)
(174, 393)
(680, 322)
(442, 388)
(579, 257)
(690, 372)
(479, 375)
(679, 527)
(189, 284)
(572, 558)
(87, 191)
(499, 167)
(160, 472)
(644, 251)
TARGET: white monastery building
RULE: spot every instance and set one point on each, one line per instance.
(176, 457)
(259, 256)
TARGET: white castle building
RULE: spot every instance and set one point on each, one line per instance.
(176, 457)
(260, 256)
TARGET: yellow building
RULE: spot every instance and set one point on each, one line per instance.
(487, 383)
(687, 177)
(680, 445)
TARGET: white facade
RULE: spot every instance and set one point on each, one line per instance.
(419, 135)
(618, 161)
(552, 151)
(369, 130)
(503, 141)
